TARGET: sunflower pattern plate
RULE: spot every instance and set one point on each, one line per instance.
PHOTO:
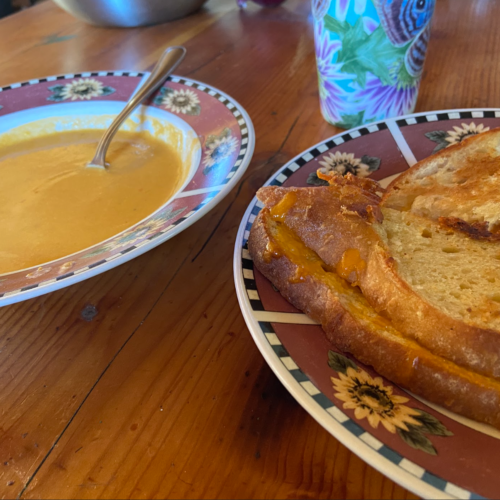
(425, 448)
(227, 140)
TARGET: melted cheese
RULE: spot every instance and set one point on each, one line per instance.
(279, 211)
(285, 243)
(351, 262)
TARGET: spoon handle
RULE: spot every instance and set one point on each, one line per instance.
(166, 64)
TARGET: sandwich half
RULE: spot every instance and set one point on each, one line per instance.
(363, 271)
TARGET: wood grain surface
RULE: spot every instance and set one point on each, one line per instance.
(161, 392)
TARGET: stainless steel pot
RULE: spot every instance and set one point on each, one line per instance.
(129, 13)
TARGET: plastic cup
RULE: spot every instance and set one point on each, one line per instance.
(370, 55)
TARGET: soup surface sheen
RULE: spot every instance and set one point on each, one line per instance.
(51, 205)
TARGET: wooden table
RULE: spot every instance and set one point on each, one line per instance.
(163, 393)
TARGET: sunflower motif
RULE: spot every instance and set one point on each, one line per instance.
(38, 272)
(144, 231)
(370, 399)
(139, 233)
(218, 148)
(344, 163)
(181, 101)
(460, 133)
(64, 268)
(128, 239)
(444, 139)
(81, 89)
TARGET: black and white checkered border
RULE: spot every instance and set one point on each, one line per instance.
(234, 110)
(209, 197)
(448, 115)
(69, 76)
(305, 383)
(323, 148)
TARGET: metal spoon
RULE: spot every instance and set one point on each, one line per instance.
(166, 64)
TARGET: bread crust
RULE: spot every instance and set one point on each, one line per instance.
(457, 182)
(322, 218)
(471, 347)
(393, 356)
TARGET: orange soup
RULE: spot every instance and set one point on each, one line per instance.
(51, 205)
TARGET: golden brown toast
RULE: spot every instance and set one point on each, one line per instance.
(334, 222)
(460, 182)
(408, 280)
(350, 322)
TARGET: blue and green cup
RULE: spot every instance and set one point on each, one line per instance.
(370, 55)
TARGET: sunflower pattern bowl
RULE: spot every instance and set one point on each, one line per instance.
(219, 126)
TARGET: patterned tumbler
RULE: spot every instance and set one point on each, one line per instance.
(370, 55)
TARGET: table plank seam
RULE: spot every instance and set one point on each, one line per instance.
(108, 366)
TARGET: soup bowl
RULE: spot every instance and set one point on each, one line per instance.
(209, 131)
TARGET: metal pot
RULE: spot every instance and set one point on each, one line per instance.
(129, 13)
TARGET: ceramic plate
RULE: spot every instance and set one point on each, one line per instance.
(444, 455)
(221, 128)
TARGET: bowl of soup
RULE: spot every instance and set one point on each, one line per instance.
(170, 162)
(53, 204)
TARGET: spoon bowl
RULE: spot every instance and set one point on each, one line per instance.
(169, 60)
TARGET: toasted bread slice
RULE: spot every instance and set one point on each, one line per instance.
(452, 272)
(459, 182)
(350, 322)
(403, 274)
